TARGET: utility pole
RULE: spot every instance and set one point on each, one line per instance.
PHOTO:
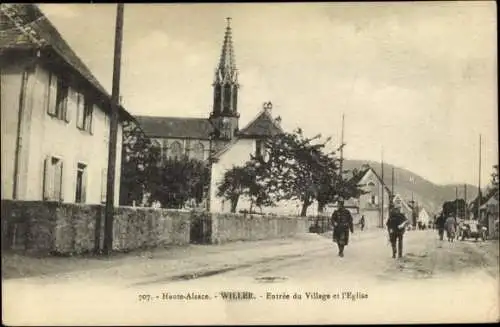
(466, 211)
(342, 149)
(115, 98)
(479, 183)
(391, 204)
(383, 190)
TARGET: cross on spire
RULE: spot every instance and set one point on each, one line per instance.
(228, 19)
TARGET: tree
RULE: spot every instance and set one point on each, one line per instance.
(300, 168)
(139, 159)
(233, 185)
(494, 177)
(245, 180)
(177, 181)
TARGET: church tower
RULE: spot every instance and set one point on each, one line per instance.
(225, 114)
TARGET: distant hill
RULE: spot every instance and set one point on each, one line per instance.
(428, 194)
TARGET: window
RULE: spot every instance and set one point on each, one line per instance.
(84, 115)
(199, 151)
(259, 148)
(371, 183)
(374, 199)
(175, 150)
(53, 179)
(81, 183)
(57, 98)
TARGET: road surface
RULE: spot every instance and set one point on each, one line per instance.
(288, 281)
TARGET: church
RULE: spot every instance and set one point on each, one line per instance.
(219, 135)
(199, 137)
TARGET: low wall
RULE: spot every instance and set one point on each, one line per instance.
(239, 227)
(53, 227)
(72, 228)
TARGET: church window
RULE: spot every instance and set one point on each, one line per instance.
(175, 150)
(371, 183)
(198, 151)
(227, 98)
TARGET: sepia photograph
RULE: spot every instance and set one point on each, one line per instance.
(249, 163)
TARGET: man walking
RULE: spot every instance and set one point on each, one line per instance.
(440, 226)
(396, 226)
(342, 224)
(362, 222)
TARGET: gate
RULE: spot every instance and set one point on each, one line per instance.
(201, 229)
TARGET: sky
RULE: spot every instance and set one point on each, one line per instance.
(416, 81)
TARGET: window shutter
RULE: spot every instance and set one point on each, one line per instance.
(68, 108)
(84, 185)
(79, 111)
(104, 177)
(47, 179)
(61, 182)
(52, 95)
(90, 120)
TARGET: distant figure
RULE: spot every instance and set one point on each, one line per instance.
(396, 226)
(362, 222)
(440, 226)
(342, 223)
(450, 225)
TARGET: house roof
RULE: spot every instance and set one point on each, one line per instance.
(263, 125)
(176, 127)
(24, 26)
(358, 178)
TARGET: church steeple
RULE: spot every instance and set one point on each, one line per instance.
(226, 79)
(225, 106)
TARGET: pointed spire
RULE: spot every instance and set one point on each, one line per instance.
(226, 71)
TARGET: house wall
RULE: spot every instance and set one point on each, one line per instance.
(45, 136)
(370, 210)
(10, 89)
(237, 155)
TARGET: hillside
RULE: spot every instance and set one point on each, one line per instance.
(428, 194)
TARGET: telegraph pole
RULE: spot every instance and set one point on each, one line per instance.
(115, 98)
(479, 183)
(383, 190)
(466, 211)
(392, 189)
(342, 149)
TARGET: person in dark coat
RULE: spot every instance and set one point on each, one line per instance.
(342, 223)
(440, 226)
(362, 223)
(396, 226)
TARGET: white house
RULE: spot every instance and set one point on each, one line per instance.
(423, 217)
(250, 140)
(54, 115)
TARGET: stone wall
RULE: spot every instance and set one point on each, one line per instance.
(52, 227)
(238, 227)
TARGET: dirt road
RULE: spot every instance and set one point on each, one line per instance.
(300, 280)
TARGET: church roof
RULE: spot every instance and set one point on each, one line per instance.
(263, 125)
(176, 127)
(25, 27)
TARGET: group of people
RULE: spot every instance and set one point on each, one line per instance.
(343, 226)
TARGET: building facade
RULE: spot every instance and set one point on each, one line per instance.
(54, 115)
